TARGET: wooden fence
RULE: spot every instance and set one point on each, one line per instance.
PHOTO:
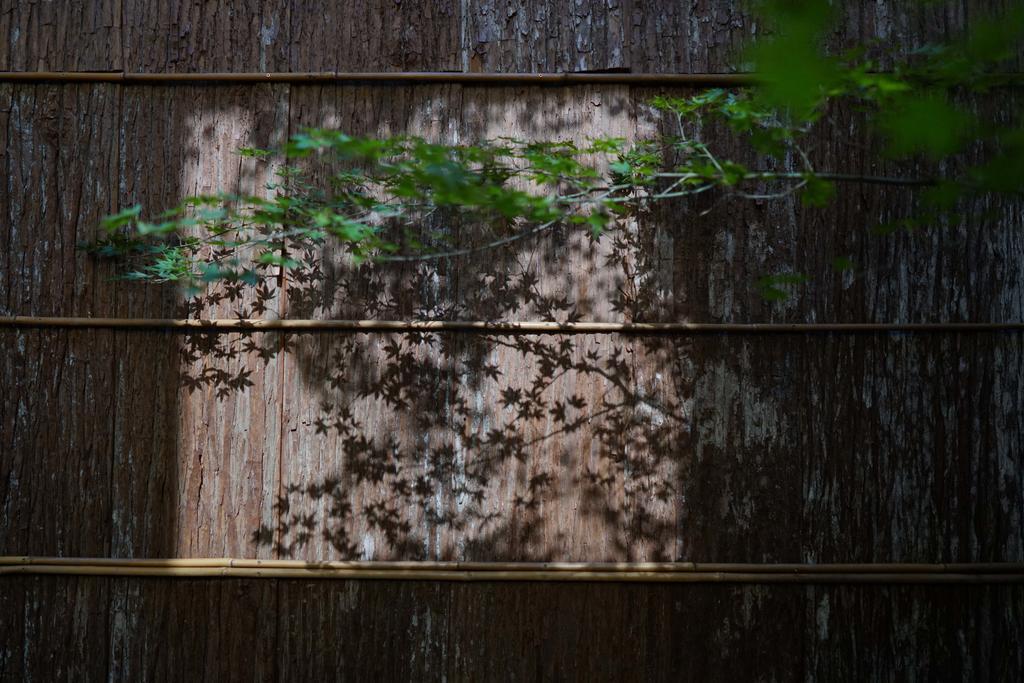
(795, 445)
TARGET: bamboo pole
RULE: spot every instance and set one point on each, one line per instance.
(480, 326)
(517, 576)
(683, 572)
(413, 77)
(880, 567)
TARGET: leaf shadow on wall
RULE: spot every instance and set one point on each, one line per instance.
(474, 446)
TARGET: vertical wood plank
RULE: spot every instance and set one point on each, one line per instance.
(60, 36)
(165, 629)
(376, 35)
(55, 421)
(584, 35)
(221, 390)
(60, 163)
(182, 37)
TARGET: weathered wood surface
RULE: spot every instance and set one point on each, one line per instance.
(60, 162)
(258, 630)
(222, 445)
(480, 35)
(324, 446)
(182, 36)
(802, 448)
(51, 36)
(377, 35)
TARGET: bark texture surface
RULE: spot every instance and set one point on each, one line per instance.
(798, 448)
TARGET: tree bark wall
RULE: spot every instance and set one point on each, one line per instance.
(801, 448)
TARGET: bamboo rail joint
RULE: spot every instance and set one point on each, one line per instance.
(495, 327)
(643, 572)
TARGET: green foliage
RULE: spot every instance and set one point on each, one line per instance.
(1004, 170)
(817, 192)
(378, 197)
(792, 69)
(926, 123)
(778, 287)
(842, 263)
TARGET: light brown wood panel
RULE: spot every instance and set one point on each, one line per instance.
(200, 443)
(425, 446)
(229, 435)
(402, 404)
(180, 141)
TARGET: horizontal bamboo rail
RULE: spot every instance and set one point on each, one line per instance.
(496, 327)
(653, 572)
(703, 80)
(427, 77)
(881, 567)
